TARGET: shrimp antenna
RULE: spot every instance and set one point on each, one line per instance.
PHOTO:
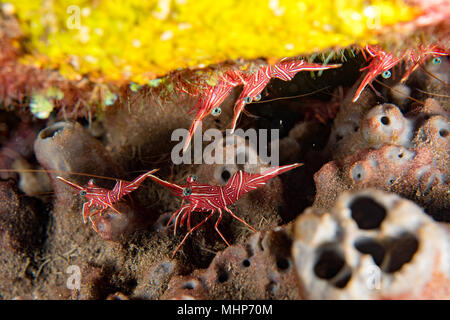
(399, 92)
(293, 97)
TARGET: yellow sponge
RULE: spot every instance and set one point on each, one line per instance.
(139, 40)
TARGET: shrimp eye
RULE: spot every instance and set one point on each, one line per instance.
(386, 74)
(437, 60)
(216, 111)
(191, 179)
(247, 100)
(187, 192)
(82, 193)
(257, 98)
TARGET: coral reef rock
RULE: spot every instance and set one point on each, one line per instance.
(22, 225)
(66, 147)
(262, 268)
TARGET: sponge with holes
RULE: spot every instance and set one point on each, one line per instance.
(371, 245)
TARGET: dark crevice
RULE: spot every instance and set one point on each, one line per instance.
(401, 251)
(372, 247)
(283, 263)
(53, 129)
(222, 276)
(385, 120)
(225, 175)
(367, 213)
(343, 279)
